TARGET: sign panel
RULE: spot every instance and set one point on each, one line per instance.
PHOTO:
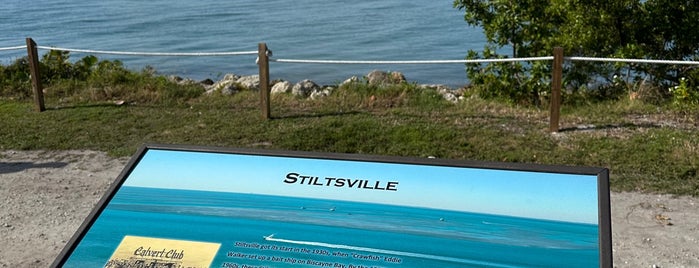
(181, 206)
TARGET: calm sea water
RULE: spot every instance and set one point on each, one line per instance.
(319, 229)
(300, 29)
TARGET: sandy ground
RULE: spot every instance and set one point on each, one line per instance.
(45, 196)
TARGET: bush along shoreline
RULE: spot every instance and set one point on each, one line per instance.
(108, 80)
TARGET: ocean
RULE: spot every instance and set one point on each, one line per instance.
(302, 29)
(274, 231)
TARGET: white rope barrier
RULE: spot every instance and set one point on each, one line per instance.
(196, 54)
(408, 61)
(13, 48)
(483, 61)
(632, 60)
(238, 53)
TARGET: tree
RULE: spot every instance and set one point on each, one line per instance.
(521, 25)
(654, 29)
(670, 33)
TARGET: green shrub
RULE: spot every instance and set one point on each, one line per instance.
(686, 91)
(15, 79)
(92, 80)
(512, 82)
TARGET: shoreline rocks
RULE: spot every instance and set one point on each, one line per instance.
(304, 88)
(233, 83)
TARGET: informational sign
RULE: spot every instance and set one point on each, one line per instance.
(182, 206)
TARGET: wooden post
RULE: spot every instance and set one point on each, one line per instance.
(556, 83)
(36, 76)
(263, 63)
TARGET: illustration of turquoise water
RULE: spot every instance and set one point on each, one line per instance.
(274, 231)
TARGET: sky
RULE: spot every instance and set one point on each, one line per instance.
(539, 195)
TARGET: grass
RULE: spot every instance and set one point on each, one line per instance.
(647, 148)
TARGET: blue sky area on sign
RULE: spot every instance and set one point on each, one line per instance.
(551, 196)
